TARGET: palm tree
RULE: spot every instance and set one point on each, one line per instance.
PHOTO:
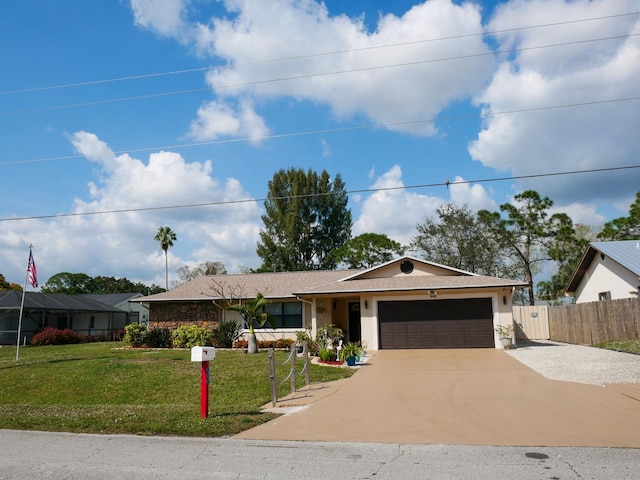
(165, 237)
(254, 310)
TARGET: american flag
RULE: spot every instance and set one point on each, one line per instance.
(33, 271)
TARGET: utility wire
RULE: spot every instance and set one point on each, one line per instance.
(326, 131)
(320, 74)
(447, 184)
(312, 55)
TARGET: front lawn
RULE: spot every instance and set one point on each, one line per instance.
(100, 388)
(627, 346)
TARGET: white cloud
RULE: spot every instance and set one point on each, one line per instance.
(165, 17)
(393, 211)
(327, 151)
(564, 139)
(585, 214)
(121, 244)
(377, 87)
(473, 196)
(217, 119)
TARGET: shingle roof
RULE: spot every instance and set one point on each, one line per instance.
(292, 284)
(624, 252)
(412, 283)
(271, 285)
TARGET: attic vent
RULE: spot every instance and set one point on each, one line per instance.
(406, 266)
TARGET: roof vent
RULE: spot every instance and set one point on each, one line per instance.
(406, 266)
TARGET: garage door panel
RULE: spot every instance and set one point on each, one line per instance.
(464, 323)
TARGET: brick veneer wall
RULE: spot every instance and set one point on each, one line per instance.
(174, 315)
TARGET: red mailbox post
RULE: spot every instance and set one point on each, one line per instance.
(203, 355)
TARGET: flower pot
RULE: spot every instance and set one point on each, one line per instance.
(351, 361)
(507, 342)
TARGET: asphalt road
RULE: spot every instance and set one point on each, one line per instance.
(63, 456)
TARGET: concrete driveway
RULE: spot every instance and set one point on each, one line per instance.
(465, 397)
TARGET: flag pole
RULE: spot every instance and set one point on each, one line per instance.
(26, 276)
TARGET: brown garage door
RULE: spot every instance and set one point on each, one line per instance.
(465, 323)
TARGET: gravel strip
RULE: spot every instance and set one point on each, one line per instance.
(578, 363)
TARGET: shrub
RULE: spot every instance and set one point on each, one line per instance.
(160, 338)
(226, 334)
(55, 336)
(326, 355)
(135, 335)
(242, 344)
(189, 336)
(283, 343)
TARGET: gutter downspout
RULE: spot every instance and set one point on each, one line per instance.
(313, 315)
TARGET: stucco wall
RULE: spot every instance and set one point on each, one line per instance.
(606, 275)
(176, 314)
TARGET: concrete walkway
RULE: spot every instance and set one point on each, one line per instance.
(465, 397)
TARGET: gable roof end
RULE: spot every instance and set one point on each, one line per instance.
(401, 259)
(624, 252)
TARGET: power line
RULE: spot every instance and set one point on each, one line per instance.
(312, 55)
(447, 184)
(320, 74)
(327, 131)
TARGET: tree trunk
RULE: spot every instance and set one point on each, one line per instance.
(166, 270)
(252, 346)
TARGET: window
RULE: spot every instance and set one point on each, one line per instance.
(604, 296)
(286, 314)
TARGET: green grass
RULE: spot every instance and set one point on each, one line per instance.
(100, 388)
(628, 346)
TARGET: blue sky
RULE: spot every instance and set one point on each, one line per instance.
(146, 103)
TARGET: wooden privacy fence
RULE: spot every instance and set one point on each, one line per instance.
(531, 322)
(595, 322)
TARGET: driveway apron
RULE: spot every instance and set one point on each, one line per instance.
(465, 397)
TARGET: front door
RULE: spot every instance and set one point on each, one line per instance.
(354, 322)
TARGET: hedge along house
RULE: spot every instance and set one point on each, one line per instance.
(406, 303)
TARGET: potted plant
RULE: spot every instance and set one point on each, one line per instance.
(350, 352)
(301, 337)
(505, 334)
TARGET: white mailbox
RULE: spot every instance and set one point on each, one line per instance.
(203, 354)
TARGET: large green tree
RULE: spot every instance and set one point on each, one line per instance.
(459, 238)
(69, 283)
(81, 283)
(565, 248)
(530, 234)
(306, 219)
(367, 250)
(165, 237)
(624, 228)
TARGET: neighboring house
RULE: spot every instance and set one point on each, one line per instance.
(84, 314)
(405, 303)
(607, 271)
(136, 312)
